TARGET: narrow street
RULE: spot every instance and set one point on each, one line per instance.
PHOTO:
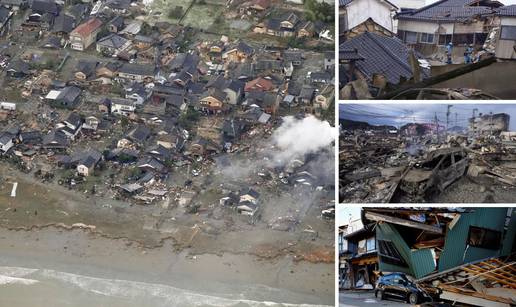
(359, 299)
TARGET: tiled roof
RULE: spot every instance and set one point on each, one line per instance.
(509, 10)
(449, 10)
(382, 55)
(88, 27)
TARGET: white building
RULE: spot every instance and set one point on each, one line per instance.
(354, 12)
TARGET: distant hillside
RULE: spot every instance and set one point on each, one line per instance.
(348, 124)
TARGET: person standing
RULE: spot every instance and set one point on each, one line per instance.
(449, 49)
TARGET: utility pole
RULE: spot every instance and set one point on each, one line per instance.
(436, 127)
(456, 122)
(447, 122)
(473, 122)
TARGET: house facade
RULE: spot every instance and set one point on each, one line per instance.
(351, 14)
(85, 34)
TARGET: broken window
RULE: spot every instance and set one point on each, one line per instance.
(484, 238)
(389, 254)
(427, 38)
(444, 39)
(361, 246)
(508, 33)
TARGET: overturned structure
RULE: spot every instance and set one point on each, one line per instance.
(454, 254)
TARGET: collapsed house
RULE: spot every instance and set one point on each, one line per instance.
(371, 63)
(456, 254)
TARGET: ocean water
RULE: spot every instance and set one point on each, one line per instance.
(28, 287)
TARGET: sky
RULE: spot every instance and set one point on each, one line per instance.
(344, 212)
(400, 114)
(505, 2)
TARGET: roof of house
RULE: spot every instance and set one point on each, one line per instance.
(19, 66)
(69, 94)
(118, 4)
(74, 119)
(112, 41)
(388, 56)
(450, 10)
(137, 69)
(45, 6)
(245, 48)
(350, 54)
(118, 21)
(259, 83)
(64, 23)
(79, 11)
(86, 28)
(139, 134)
(5, 13)
(86, 67)
(347, 2)
(508, 11)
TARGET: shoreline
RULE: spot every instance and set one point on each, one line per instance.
(79, 252)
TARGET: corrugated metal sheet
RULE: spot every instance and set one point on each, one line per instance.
(421, 262)
(455, 252)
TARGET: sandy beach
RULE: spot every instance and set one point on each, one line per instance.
(109, 272)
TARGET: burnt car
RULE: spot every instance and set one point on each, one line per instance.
(440, 169)
(444, 94)
(399, 286)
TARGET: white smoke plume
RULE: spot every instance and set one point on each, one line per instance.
(298, 137)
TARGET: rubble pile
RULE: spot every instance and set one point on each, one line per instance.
(379, 168)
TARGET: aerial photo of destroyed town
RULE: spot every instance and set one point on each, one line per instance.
(167, 153)
(427, 256)
(427, 49)
(432, 153)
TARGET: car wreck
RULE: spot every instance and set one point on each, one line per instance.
(421, 162)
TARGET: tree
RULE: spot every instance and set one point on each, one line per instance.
(316, 11)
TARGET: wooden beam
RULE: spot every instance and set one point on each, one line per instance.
(490, 275)
(496, 268)
(472, 300)
(395, 220)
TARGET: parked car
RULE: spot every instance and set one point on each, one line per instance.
(398, 286)
(444, 94)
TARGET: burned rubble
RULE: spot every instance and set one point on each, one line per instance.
(423, 162)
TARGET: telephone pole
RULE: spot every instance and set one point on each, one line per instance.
(436, 126)
(447, 122)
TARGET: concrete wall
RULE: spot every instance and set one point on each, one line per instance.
(496, 79)
(360, 10)
(425, 27)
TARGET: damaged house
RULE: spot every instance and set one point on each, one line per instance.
(458, 21)
(351, 14)
(370, 63)
(423, 243)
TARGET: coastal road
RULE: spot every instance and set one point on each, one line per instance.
(365, 299)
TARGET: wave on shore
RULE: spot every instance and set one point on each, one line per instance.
(130, 292)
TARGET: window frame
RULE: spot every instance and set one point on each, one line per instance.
(486, 242)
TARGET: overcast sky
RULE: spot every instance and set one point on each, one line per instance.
(505, 2)
(344, 212)
(400, 114)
